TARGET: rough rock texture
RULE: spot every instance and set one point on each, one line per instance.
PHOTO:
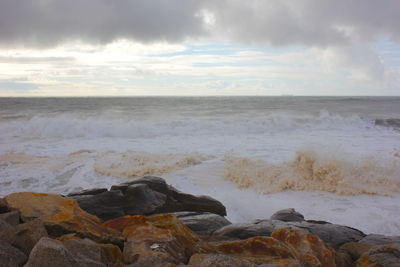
(73, 253)
(374, 239)
(24, 236)
(144, 196)
(60, 216)
(162, 236)
(4, 225)
(11, 217)
(334, 234)
(258, 250)
(352, 251)
(216, 260)
(204, 223)
(11, 256)
(93, 191)
(287, 215)
(386, 256)
(49, 253)
(308, 245)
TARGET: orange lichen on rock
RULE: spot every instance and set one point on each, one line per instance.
(61, 216)
(310, 246)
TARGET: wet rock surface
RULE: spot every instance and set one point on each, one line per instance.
(147, 195)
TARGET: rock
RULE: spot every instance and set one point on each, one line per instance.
(3, 206)
(385, 255)
(49, 253)
(258, 250)
(88, 192)
(334, 234)
(61, 216)
(11, 217)
(4, 225)
(218, 260)
(145, 196)
(307, 244)
(354, 250)
(287, 215)
(374, 239)
(87, 250)
(24, 236)
(202, 223)
(162, 236)
(11, 256)
(74, 253)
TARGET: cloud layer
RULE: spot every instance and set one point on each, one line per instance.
(282, 22)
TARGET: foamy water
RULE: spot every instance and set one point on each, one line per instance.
(335, 159)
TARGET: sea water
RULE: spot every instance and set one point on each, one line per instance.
(331, 158)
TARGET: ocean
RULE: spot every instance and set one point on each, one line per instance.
(331, 158)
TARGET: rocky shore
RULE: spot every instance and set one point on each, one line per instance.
(147, 222)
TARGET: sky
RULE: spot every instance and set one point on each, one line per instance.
(199, 47)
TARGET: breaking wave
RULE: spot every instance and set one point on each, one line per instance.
(69, 126)
(312, 171)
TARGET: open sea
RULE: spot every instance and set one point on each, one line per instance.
(331, 158)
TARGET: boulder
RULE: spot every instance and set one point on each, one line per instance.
(61, 216)
(49, 253)
(334, 234)
(374, 239)
(4, 225)
(88, 192)
(145, 196)
(74, 253)
(202, 223)
(11, 256)
(258, 250)
(3, 206)
(162, 236)
(308, 246)
(218, 260)
(11, 217)
(353, 250)
(287, 215)
(24, 236)
(385, 255)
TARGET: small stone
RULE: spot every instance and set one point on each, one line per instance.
(288, 215)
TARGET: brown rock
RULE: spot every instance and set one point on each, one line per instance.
(61, 216)
(381, 256)
(74, 253)
(3, 206)
(312, 249)
(11, 217)
(24, 236)
(256, 249)
(49, 253)
(162, 236)
(218, 260)
(11, 256)
(354, 249)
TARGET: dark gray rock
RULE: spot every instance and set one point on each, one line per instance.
(334, 234)
(88, 192)
(11, 256)
(375, 240)
(24, 236)
(145, 196)
(3, 206)
(202, 223)
(11, 217)
(287, 215)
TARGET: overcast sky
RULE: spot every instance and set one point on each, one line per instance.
(199, 47)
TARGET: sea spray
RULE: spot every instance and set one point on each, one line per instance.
(310, 170)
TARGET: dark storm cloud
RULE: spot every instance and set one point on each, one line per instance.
(278, 22)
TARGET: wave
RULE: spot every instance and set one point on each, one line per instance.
(68, 126)
(310, 170)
